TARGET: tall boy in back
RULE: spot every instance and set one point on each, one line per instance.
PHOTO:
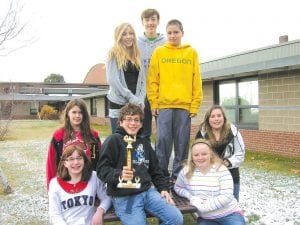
(147, 42)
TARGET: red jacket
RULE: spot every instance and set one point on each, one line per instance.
(56, 147)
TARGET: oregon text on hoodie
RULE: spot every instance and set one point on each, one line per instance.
(147, 47)
(174, 79)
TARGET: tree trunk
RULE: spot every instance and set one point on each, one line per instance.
(4, 181)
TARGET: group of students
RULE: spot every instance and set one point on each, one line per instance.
(148, 76)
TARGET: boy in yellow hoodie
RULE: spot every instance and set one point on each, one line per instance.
(174, 90)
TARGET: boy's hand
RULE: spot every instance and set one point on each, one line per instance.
(155, 112)
(127, 174)
(192, 115)
(168, 197)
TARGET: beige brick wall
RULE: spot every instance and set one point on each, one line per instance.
(207, 102)
(21, 108)
(279, 101)
(100, 102)
(100, 118)
(88, 105)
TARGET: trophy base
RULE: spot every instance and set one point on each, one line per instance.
(128, 185)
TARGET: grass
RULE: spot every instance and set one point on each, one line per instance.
(23, 158)
(275, 163)
(24, 130)
(33, 130)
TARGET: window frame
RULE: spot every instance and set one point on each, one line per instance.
(237, 107)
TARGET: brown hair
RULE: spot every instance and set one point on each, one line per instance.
(147, 13)
(85, 129)
(175, 22)
(62, 171)
(130, 110)
(191, 165)
(207, 128)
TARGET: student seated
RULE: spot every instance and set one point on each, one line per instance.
(208, 184)
(73, 192)
(132, 204)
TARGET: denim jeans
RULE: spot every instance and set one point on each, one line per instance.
(147, 122)
(236, 190)
(114, 124)
(131, 209)
(232, 219)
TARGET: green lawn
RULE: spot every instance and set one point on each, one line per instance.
(271, 162)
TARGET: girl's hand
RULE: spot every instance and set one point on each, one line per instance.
(98, 217)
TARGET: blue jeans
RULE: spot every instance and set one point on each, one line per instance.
(232, 219)
(236, 190)
(131, 209)
(114, 124)
(147, 122)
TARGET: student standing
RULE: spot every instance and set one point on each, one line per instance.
(125, 74)
(131, 204)
(207, 183)
(76, 129)
(226, 140)
(147, 42)
(174, 90)
(72, 193)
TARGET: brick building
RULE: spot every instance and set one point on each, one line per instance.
(259, 89)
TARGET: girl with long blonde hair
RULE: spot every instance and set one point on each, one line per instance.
(125, 74)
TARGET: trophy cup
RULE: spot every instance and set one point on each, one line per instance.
(129, 183)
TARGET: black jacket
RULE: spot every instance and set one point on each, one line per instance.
(113, 158)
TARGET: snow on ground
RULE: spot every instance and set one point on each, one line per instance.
(270, 198)
(267, 198)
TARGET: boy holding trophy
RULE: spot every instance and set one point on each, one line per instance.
(130, 168)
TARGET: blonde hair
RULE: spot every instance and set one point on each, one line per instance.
(119, 51)
(190, 165)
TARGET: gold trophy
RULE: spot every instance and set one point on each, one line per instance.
(129, 183)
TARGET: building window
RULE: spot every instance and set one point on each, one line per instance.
(239, 98)
(93, 107)
(34, 108)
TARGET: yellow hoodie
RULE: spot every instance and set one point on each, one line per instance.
(174, 79)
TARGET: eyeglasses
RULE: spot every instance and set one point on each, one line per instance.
(130, 120)
(71, 159)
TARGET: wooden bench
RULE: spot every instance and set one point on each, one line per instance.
(182, 204)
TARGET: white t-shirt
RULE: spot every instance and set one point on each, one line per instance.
(78, 208)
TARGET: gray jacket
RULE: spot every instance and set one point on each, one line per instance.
(146, 48)
(118, 91)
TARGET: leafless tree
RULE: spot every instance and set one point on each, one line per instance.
(13, 28)
(6, 116)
